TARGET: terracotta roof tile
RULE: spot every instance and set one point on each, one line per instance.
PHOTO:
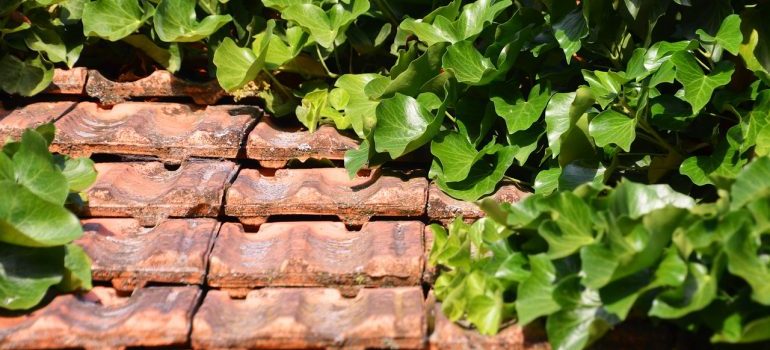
(170, 131)
(176, 251)
(149, 193)
(318, 254)
(254, 196)
(273, 146)
(312, 318)
(68, 81)
(443, 208)
(156, 316)
(13, 122)
(160, 83)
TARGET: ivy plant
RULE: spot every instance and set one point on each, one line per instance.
(584, 260)
(36, 228)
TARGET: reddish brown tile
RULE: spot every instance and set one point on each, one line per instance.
(129, 255)
(150, 193)
(312, 318)
(156, 316)
(429, 272)
(255, 196)
(13, 122)
(318, 254)
(450, 336)
(273, 146)
(443, 208)
(170, 131)
(159, 84)
(68, 81)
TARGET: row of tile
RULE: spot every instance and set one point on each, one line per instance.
(275, 318)
(173, 132)
(81, 81)
(150, 192)
(283, 254)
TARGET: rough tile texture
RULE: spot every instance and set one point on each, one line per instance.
(443, 208)
(312, 318)
(170, 131)
(13, 122)
(68, 81)
(150, 193)
(157, 316)
(129, 255)
(159, 84)
(448, 335)
(273, 146)
(255, 196)
(318, 254)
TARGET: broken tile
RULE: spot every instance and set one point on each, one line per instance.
(148, 192)
(68, 81)
(130, 256)
(318, 254)
(254, 196)
(444, 209)
(273, 146)
(154, 316)
(14, 121)
(170, 131)
(296, 318)
(160, 83)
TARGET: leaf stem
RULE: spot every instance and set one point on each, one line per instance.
(323, 62)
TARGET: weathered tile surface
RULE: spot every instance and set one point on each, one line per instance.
(329, 191)
(156, 316)
(14, 121)
(273, 146)
(170, 131)
(443, 208)
(318, 254)
(448, 335)
(158, 84)
(312, 318)
(68, 81)
(149, 193)
(129, 255)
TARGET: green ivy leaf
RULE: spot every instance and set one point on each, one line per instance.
(80, 173)
(611, 127)
(535, 295)
(361, 111)
(28, 220)
(25, 78)
(569, 31)
(114, 19)
(751, 183)
(176, 21)
(170, 58)
(325, 26)
(582, 318)
(36, 170)
(27, 273)
(728, 36)
(77, 269)
(562, 113)
(520, 114)
(699, 87)
(483, 176)
(698, 291)
(404, 125)
(237, 66)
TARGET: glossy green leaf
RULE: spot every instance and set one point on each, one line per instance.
(611, 127)
(521, 114)
(699, 87)
(729, 35)
(25, 78)
(27, 273)
(114, 19)
(176, 21)
(403, 125)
